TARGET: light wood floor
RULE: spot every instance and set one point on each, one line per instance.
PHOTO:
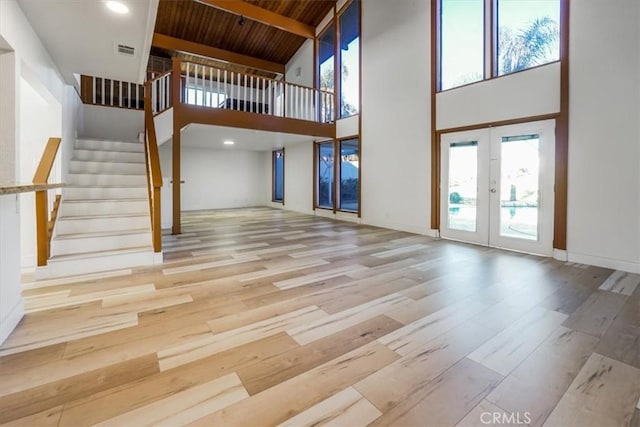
(261, 317)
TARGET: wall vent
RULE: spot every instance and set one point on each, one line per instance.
(123, 49)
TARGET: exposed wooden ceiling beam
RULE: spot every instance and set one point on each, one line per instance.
(263, 16)
(171, 43)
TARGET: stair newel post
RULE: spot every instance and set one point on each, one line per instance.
(177, 125)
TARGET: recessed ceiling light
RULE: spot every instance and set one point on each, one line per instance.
(229, 142)
(117, 7)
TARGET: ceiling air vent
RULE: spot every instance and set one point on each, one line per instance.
(123, 49)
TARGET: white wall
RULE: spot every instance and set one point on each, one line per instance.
(118, 124)
(604, 144)
(395, 131)
(11, 306)
(8, 117)
(525, 94)
(18, 33)
(218, 179)
(298, 178)
(303, 59)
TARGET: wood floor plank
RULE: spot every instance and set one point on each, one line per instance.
(63, 329)
(185, 406)
(274, 370)
(413, 372)
(215, 343)
(31, 401)
(110, 403)
(64, 299)
(413, 335)
(621, 282)
(621, 341)
(324, 326)
(345, 408)
(319, 276)
(509, 348)
(597, 313)
(604, 393)
(440, 403)
(46, 418)
(546, 374)
(279, 403)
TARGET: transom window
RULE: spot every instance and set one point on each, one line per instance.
(482, 39)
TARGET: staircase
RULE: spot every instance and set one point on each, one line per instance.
(103, 222)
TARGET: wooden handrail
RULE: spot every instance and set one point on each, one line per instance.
(44, 226)
(154, 173)
(46, 161)
(159, 77)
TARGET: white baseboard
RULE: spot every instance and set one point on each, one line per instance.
(158, 258)
(560, 255)
(614, 264)
(11, 320)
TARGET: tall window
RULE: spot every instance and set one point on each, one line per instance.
(461, 42)
(349, 30)
(522, 34)
(325, 159)
(349, 175)
(278, 175)
(326, 59)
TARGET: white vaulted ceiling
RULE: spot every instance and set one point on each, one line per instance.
(81, 36)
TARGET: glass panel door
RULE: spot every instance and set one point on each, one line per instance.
(521, 188)
(464, 200)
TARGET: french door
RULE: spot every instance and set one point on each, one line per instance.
(497, 186)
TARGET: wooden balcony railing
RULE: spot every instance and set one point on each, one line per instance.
(211, 87)
(111, 93)
(46, 213)
(154, 174)
(161, 93)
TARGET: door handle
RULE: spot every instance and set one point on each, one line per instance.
(493, 190)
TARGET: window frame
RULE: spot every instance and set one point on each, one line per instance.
(316, 175)
(274, 177)
(490, 44)
(336, 145)
(338, 182)
(337, 58)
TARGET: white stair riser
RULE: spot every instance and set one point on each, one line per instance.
(103, 208)
(85, 193)
(108, 156)
(94, 244)
(82, 167)
(101, 224)
(106, 180)
(132, 147)
(61, 268)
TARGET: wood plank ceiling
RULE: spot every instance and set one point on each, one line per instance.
(199, 23)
